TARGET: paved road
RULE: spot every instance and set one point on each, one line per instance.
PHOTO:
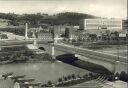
(12, 36)
(91, 53)
(70, 48)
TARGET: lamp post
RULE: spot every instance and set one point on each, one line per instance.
(118, 53)
(127, 47)
(117, 62)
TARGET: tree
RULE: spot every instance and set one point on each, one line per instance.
(115, 36)
(117, 75)
(93, 37)
(60, 80)
(49, 83)
(122, 76)
(85, 76)
(90, 74)
(107, 35)
(73, 76)
(111, 78)
(65, 78)
(69, 77)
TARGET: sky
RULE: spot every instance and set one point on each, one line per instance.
(100, 8)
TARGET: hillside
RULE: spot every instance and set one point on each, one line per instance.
(70, 18)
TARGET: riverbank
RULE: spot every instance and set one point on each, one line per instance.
(17, 58)
(70, 80)
(41, 72)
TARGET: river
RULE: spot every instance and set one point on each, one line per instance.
(41, 72)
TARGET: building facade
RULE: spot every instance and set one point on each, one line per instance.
(125, 24)
(101, 24)
(45, 36)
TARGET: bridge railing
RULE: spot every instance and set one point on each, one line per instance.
(91, 53)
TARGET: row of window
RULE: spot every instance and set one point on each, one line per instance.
(103, 21)
(46, 38)
(12, 48)
(90, 25)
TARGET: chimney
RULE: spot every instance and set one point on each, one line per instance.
(26, 31)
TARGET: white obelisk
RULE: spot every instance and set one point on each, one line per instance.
(53, 52)
(26, 31)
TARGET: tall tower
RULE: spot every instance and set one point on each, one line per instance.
(53, 52)
(26, 31)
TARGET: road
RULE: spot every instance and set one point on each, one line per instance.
(70, 48)
(90, 53)
(12, 36)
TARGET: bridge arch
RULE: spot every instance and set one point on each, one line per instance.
(42, 48)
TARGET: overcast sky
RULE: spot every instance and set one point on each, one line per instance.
(101, 8)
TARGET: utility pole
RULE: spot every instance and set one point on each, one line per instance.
(118, 52)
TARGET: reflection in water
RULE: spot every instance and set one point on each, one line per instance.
(53, 65)
(42, 72)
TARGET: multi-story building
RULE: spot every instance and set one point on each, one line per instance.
(73, 34)
(101, 24)
(45, 36)
(125, 24)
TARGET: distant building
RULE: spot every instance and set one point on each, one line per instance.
(4, 23)
(73, 34)
(125, 24)
(45, 36)
(101, 24)
(57, 30)
(69, 32)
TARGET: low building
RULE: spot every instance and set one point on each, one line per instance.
(45, 36)
(123, 37)
(101, 24)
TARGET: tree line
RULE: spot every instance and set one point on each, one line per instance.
(71, 18)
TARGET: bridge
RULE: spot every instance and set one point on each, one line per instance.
(112, 62)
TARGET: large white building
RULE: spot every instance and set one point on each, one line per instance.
(101, 24)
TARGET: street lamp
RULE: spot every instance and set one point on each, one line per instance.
(118, 46)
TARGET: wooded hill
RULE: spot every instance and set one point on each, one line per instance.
(70, 18)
